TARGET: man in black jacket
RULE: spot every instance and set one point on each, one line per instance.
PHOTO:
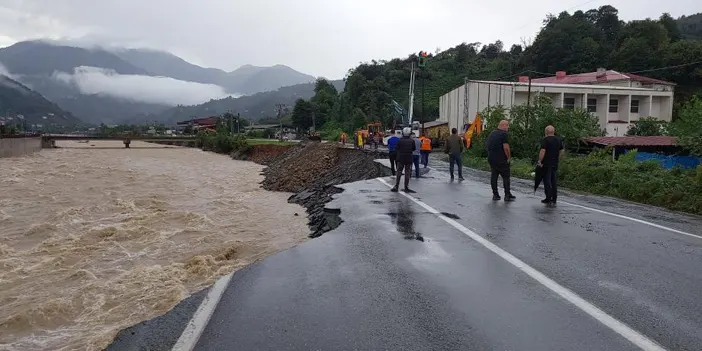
(550, 153)
(405, 148)
(499, 156)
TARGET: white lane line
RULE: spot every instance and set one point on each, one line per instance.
(202, 316)
(612, 323)
(633, 219)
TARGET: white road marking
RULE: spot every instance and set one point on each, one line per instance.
(202, 316)
(633, 219)
(612, 323)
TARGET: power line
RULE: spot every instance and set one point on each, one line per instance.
(644, 71)
(668, 67)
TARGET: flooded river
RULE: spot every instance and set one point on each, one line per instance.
(94, 239)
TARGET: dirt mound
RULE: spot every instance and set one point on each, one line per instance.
(296, 168)
(312, 171)
(261, 154)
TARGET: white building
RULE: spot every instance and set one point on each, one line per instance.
(617, 99)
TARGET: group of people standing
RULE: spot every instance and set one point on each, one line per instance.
(409, 150)
(360, 140)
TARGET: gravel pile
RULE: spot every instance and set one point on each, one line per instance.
(312, 170)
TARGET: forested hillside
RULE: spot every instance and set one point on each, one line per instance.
(663, 48)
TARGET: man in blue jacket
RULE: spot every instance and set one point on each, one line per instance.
(392, 148)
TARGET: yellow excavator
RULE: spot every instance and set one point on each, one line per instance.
(475, 128)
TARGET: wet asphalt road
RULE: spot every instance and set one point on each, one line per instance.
(394, 276)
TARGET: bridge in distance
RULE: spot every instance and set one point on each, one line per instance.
(49, 140)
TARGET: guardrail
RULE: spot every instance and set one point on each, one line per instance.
(20, 135)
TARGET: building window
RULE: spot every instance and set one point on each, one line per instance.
(613, 105)
(592, 105)
(634, 106)
(569, 103)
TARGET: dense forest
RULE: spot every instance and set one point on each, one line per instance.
(583, 41)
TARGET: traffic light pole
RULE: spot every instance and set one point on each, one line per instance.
(411, 95)
(424, 119)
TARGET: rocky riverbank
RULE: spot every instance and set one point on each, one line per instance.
(312, 170)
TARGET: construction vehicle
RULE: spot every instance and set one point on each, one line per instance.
(404, 116)
(314, 136)
(374, 127)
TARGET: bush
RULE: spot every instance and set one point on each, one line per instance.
(645, 182)
(222, 143)
(688, 126)
(331, 131)
(648, 126)
(527, 126)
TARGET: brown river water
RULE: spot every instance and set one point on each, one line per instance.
(94, 239)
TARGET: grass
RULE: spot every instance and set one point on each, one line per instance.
(643, 182)
(519, 168)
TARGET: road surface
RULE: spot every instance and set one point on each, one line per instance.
(449, 269)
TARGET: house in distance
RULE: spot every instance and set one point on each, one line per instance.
(617, 99)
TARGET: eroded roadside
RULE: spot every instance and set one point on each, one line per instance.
(311, 171)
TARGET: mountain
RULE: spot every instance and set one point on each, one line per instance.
(253, 107)
(247, 79)
(165, 64)
(35, 63)
(252, 79)
(17, 99)
(120, 84)
(43, 58)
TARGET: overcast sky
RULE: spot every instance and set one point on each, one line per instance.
(318, 37)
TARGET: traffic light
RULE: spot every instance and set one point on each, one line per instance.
(422, 59)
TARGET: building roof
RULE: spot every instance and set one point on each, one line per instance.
(593, 77)
(200, 121)
(560, 85)
(267, 126)
(634, 141)
(434, 124)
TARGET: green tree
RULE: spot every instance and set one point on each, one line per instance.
(302, 114)
(527, 125)
(688, 126)
(647, 126)
(358, 119)
(669, 23)
(324, 101)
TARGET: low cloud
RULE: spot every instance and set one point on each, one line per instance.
(4, 71)
(159, 90)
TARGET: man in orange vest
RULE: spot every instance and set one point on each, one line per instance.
(425, 149)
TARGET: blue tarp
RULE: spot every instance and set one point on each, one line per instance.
(669, 162)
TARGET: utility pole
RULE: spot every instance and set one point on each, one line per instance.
(528, 100)
(424, 119)
(231, 121)
(238, 117)
(280, 120)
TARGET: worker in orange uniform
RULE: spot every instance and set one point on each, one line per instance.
(425, 149)
(343, 138)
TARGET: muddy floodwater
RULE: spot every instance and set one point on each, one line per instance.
(95, 238)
